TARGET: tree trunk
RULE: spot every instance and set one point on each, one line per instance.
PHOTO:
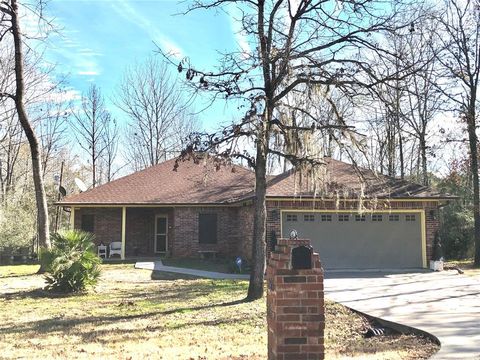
(423, 155)
(400, 153)
(40, 196)
(255, 288)
(473, 142)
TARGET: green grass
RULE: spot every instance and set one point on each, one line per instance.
(18, 270)
(128, 315)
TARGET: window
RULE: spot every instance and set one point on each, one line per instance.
(326, 217)
(377, 217)
(360, 218)
(291, 217)
(409, 217)
(88, 221)
(308, 217)
(207, 228)
(393, 218)
(343, 217)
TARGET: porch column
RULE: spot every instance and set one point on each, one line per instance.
(72, 218)
(124, 226)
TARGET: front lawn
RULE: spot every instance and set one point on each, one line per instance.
(18, 270)
(130, 316)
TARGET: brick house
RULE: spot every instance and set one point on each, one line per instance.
(378, 222)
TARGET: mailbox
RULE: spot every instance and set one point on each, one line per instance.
(295, 302)
(302, 257)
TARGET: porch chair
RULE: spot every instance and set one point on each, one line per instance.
(102, 251)
(115, 247)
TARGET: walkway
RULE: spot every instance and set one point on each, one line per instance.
(444, 304)
(158, 266)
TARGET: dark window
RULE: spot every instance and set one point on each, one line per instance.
(360, 218)
(393, 218)
(326, 217)
(377, 217)
(308, 217)
(343, 217)
(410, 217)
(87, 222)
(291, 217)
(207, 228)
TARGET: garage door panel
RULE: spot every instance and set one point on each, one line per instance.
(360, 244)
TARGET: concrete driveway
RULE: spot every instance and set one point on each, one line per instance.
(444, 304)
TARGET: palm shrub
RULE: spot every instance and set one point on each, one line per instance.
(71, 264)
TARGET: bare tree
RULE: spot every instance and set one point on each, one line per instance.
(158, 113)
(424, 98)
(459, 32)
(10, 26)
(51, 123)
(91, 123)
(11, 139)
(110, 139)
(299, 48)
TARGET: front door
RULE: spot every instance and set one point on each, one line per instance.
(161, 228)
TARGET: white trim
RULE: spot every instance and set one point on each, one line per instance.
(124, 231)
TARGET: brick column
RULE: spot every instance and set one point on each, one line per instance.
(295, 306)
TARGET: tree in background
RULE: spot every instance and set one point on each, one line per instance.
(299, 48)
(407, 107)
(456, 219)
(459, 32)
(10, 27)
(158, 113)
(96, 132)
(111, 138)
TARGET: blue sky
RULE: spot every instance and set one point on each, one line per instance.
(99, 39)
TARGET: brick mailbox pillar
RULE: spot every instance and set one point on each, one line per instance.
(295, 307)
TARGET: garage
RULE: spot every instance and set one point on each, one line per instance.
(349, 240)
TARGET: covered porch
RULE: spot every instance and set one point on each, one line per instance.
(144, 232)
(149, 231)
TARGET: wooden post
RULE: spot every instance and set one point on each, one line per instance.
(58, 198)
(124, 226)
(72, 218)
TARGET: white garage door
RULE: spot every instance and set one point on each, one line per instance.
(360, 241)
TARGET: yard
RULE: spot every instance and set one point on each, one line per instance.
(130, 316)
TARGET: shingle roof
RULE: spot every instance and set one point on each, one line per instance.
(350, 181)
(160, 184)
(204, 184)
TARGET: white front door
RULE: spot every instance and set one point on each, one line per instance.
(161, 230)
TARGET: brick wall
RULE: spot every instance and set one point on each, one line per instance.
(233, 231)
(235, 225)
(107, 223)
(430, 207)
(295, 305)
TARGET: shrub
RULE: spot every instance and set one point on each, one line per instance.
(457, 232)
(71, 264)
